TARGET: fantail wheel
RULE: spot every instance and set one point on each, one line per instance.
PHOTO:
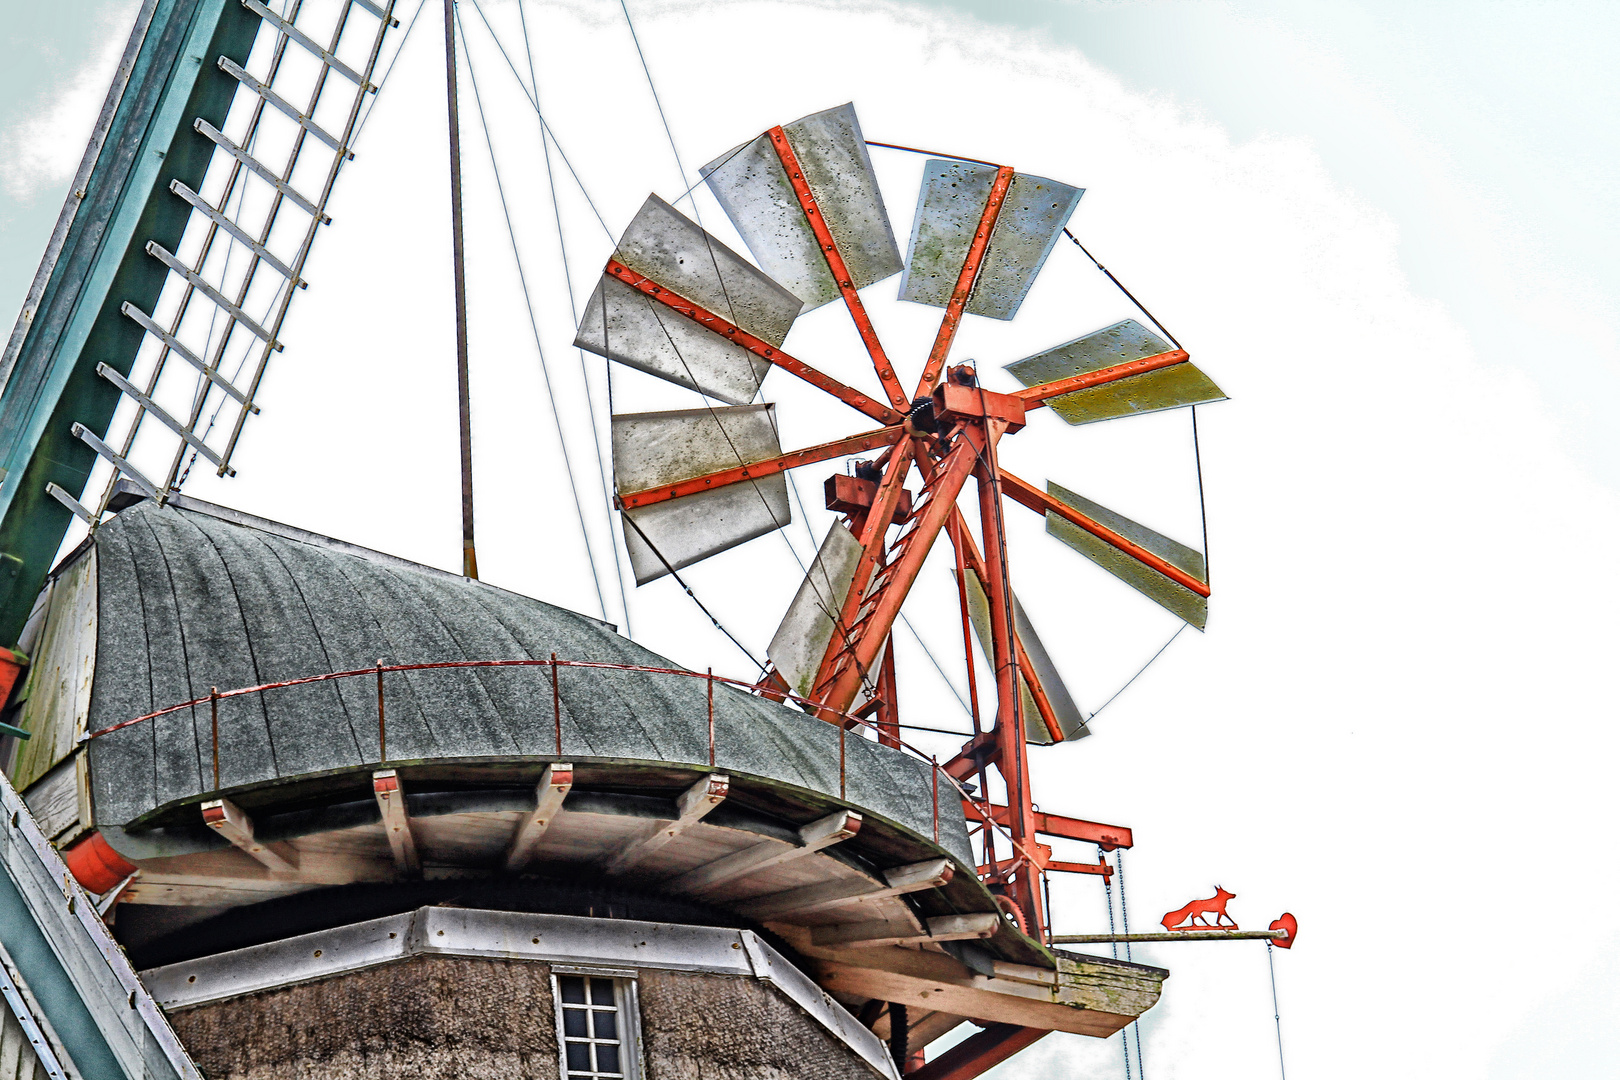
(675, 302)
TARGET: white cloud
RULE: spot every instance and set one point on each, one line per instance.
(40, 152)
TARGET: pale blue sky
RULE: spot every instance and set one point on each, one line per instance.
(1473, 142)
(1483, 130)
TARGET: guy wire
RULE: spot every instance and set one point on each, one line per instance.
(534, 327)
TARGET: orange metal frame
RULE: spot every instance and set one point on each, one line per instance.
(835, 263)
(756, 470)
(764, 349)
(957, 305)
(1036, 396)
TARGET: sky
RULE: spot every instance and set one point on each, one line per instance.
(1384, 229)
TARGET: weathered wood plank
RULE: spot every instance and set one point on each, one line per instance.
(58, 685)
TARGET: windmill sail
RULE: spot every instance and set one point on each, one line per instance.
(1071, 721)
(802, 638)
(677, 255)
(1166, 388)
(1171, 595)
(658, 448)
(752, 185)
(949, 210)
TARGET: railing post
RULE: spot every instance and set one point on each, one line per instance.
(382, 723)
(213, 720)
(556, 703)
(935, 759)
(711, 717)
(843, 733)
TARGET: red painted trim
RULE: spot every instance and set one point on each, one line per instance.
(1036, 396)
(1022, 491)
(1067, 828)
(95, 865)
(979, 1053)
(840, 272)
(755, 470)
(965, 281)
(758, 346)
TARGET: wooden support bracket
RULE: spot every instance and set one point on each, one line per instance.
(866, 935)
(914, 877)
(396, 820)
(549, 794)
(227, 819)
(821, 833)
(692, 806)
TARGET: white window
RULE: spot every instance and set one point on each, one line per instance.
(596, 1025)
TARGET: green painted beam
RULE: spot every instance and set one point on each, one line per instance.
(96, 261)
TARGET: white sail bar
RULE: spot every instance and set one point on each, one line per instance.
(217, 312)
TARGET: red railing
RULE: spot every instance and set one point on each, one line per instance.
(212, 700)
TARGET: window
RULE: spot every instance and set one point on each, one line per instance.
(595, 1026)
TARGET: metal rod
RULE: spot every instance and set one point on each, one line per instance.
(469, 557)
(935, 762)
(711, 717)
(556, 703)
(213, 718)
(843, 734)
(382, 725)
(1174, 935)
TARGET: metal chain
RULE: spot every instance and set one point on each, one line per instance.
(1108, 891)
(1125, 919)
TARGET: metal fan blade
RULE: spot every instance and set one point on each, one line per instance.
(1167, 388)
(952, 201)
(1171, 595)
(801, 640)
(654, 449)
(1069, 718)
(665, 246)
(753, 188)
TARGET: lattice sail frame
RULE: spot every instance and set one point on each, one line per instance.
(217, 323)
(802, 196)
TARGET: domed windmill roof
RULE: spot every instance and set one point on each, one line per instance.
(166, 603)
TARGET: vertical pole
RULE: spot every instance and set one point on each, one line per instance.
(556, 703)
(469, 558)
(213, 720)
(935, 760)
(711, 718)
(382, 724)
(1013, 759)
(889, 697)
(843, 733)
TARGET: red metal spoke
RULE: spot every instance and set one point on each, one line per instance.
(755, 470)
(1022, 491)
(964, 282)
(840, 272)
(1036, 396)
(764, 349)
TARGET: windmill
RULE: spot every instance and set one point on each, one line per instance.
(675, 302)
(556, 827)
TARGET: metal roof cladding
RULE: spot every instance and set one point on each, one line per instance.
(191, 597)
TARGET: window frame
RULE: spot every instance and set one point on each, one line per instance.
(626, 1005)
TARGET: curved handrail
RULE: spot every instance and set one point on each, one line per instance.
(378, 670)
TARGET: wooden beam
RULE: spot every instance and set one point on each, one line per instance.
(691, 807)
(865, 935)
(821, 833)
(549, 794)
(977, 1054)
(911, 878)
(227, 819)
(1086, 997)
(396, 820)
